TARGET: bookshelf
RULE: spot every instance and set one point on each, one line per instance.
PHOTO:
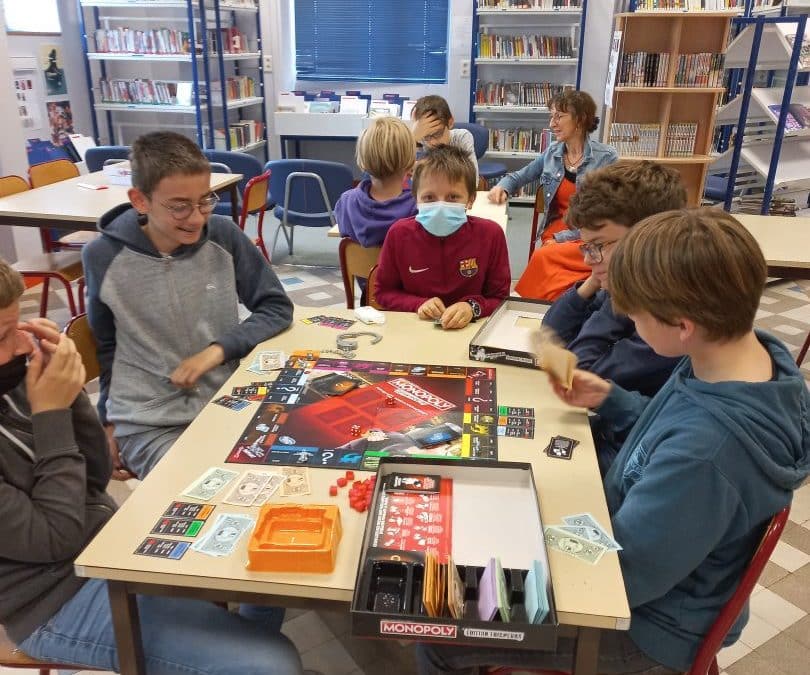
(198, 62)
(769, 125)
(523, 53)
(666, 111)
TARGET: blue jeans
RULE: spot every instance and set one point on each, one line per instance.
(180, 636)
(141, 452)
(618, 655)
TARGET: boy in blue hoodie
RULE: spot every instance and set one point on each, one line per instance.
(386, 152)
(163, 286)
(709, 460)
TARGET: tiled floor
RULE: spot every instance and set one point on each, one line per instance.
(777, 638)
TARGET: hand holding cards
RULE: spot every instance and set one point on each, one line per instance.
(551, 357)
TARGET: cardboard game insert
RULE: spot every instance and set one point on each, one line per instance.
(295, 538)
(495, 512)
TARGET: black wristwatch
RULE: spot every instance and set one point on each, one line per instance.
(476, 308)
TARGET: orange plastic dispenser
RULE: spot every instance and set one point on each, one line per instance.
(295, 538)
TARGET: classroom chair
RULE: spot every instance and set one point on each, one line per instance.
(539, 207)
(78, 330)
(96, 158)
(705, 662)
(254, 201)
(237, 162)
(11, 657)
(62, 266)
(356, 262)
(304, 191)
(371, 288)
(489, 171)
(803, 351)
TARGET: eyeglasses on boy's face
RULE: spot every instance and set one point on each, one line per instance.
(183, 210)
(436, 136)
(595, 251)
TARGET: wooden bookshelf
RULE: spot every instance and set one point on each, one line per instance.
(674, 33)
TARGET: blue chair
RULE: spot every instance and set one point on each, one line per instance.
(715, 188)
(304, 191)
(489, 171)
(238, 162)
(94, 158)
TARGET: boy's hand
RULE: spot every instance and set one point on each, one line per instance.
(120, 472)
(497, 195)
(427, 125)
(431, 309)
(587, 391)
(588, 288)
(457, 315)
(191, 369)
(55, 385)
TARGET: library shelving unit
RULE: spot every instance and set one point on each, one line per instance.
(669, 93)
(769, 125)
(523, 51)
(189, 59)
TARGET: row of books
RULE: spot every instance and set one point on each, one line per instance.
(524, 46)
(517, 93)
(241, 134)
(695, 5)
(798, 116)
(520, 139)
(779, 206)
(642, 140)
(529, 4)
(700, 70)
(233, 40)
(155, 92)
(643, 69)
(155, 41)
(236, 87)
(352, 102)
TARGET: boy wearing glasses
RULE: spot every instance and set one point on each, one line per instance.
(433, 126)
(163, 286)
(606, 205)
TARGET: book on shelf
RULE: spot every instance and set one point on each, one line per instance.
(635, 139)
(491, 46)
(529, 4)
(519, 139)
(233, 41)
(517, 93)
(125, 40)
(643, 69)
(236, 87)
(804, 54)
(149, 92)
(695, 5)
(700, 70)
(529, 189)
(779, 206)
(680, 141)
(798, 116)
(241, 134)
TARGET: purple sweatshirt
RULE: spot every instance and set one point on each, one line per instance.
(362, 218)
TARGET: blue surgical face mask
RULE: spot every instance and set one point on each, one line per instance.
(441, 219)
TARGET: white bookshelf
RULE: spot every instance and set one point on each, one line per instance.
(792, 172)
(170, 58)
(774, 49)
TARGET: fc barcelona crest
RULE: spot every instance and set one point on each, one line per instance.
(468, 267)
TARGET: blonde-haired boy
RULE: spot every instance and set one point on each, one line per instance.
(386, 152)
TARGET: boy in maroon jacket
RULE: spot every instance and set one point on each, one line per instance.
(442, 263)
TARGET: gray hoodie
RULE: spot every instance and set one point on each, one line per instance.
(149, 312)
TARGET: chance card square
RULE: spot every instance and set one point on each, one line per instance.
(162, 548)
(178, 527)
(232, 403)
(189, 510)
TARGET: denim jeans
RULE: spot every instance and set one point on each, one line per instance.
(618, 655)
(142, 451)
(180, 636)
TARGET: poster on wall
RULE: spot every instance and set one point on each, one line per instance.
(50, 58)
(60, 120)
(29, 102)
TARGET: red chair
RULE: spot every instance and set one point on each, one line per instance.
(705, 662)
(803, 351)
(254, 200)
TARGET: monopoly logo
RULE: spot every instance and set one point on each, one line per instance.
(517, 636)
(435, 630)
(407, 389)
(520, 359)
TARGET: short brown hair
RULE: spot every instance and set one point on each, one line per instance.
(386, 148)
(700, 264)
(164, 153)
(432, 104)
(449, 161)
(11, 284)
(625, 192)
(581, 107)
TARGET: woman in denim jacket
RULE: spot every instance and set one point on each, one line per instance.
(553, 269)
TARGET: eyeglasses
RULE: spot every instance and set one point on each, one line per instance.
(183, 210)
(557, 116)
(434, 136)
(595, 251)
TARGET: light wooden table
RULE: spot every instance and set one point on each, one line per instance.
(67, 206)
(785, 242)
(481, 207)
(586, 596)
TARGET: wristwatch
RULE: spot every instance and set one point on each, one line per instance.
(476, 308)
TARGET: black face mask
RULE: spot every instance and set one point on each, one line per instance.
(12, 373)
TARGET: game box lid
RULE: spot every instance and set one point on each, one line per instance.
(506, 336)
(480, 516)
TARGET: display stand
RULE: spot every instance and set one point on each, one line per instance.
(209, 69)
(675, 102)
(770, 149)
(510, 87)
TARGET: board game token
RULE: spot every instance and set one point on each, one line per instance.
(333, 490)
(341, 482)
(355, 429)
(390, 401)
(350, 475)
